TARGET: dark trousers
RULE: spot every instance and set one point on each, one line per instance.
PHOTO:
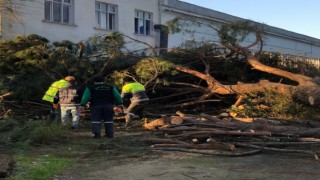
(104, 112)
(55, 115)
(136, 108)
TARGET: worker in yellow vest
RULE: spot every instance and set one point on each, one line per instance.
(135, 93)
(51, 93)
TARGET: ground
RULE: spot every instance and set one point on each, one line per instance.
(263, 166)
(146, 164)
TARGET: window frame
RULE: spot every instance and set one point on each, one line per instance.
(63, 5)
(146, 18)
(109, 14)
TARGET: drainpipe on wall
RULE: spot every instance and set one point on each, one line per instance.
(156, 26)
(163, 45)
(162, 29)
(0, 25)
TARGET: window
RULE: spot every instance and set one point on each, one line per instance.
(59, 11)
(142, 22)
(106, 16)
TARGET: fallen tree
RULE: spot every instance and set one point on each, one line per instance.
(306, 90)
(200, 76)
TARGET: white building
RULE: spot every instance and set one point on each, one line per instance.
(78, 20)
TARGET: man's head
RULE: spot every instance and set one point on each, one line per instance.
(98, 79)
(127, 79)
(70, 79)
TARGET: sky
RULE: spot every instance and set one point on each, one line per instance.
(300, 16)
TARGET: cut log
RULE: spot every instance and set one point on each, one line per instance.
(309, 95)
(281, 129)
(212, 145)
(221, 145)
(5, 114)
(5, 95)
(211, 152)
(187, 116)
(201, 125)
(166, 141)
(195, 141)
(283, 143)
(156, 123)
(186, 128)
(218, 132)
(176, 120)
(315, 132)
(211, 118)
(239, 101)
(309, 139)
(278, 150)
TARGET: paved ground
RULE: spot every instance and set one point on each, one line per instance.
(177, 166)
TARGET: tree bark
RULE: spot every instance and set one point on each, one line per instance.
(278, 150)
(211, 152)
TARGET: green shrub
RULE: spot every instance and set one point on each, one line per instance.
(33, 132)
(7, 125)
(39, 167)
(271, 104)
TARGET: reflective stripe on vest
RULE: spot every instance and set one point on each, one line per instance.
(53, 89)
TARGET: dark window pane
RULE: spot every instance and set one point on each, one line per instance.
(136, 25)
(111, 21)
(56, 12)
(148, 27)
(47, 10)
(66, 14)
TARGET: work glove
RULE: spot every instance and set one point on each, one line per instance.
(121, 107)
(118, 109)
(86, 106)
(55, 106)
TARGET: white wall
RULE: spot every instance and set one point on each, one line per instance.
(31, 21)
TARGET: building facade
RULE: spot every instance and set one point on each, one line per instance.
(77, 20)
(276, 40)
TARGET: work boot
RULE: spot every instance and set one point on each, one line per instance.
(108, 136)
(96, 135)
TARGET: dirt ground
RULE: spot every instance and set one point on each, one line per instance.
(184, 166)
(262, 166)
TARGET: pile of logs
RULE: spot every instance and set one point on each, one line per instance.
(214, 135)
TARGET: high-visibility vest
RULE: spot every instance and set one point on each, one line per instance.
(136, 90)
(53, 89)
